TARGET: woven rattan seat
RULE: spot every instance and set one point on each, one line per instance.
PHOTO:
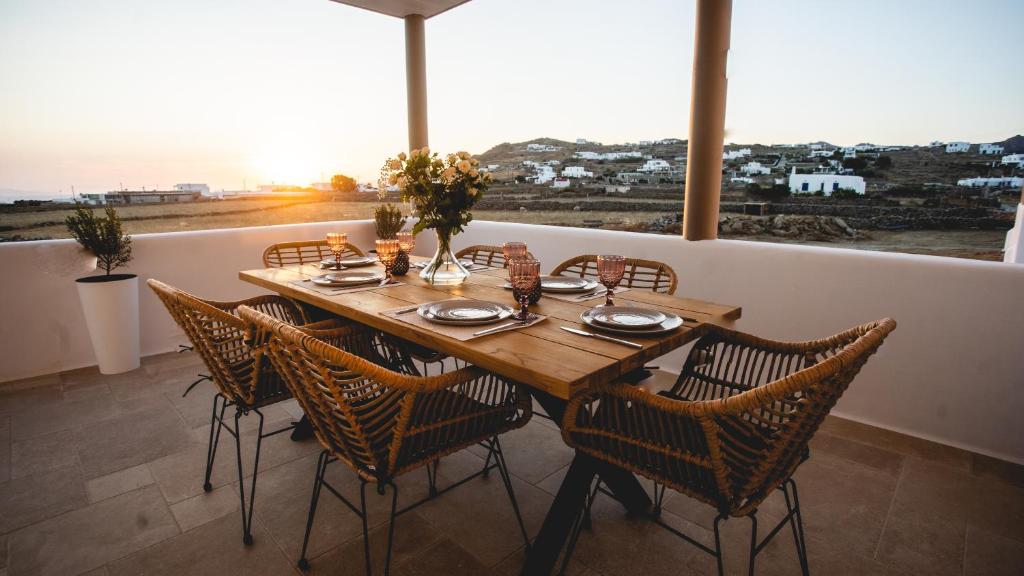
(651, 274)
(382, 423)
(735, 426)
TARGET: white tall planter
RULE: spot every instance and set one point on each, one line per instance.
(111, 308)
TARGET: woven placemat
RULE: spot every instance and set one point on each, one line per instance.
(332, 291)
(569, 297)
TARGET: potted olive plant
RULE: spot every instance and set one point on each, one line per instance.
(110, 302)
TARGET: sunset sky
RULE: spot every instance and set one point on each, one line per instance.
(97, 94)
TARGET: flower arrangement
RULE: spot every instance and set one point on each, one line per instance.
(442, 192)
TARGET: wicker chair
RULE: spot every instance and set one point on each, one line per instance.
(486, 255)
(239, 369)
(383, 424)
(650, 274)
(302, 252)
(733, 429)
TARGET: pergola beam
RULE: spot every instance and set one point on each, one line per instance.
(707, 119)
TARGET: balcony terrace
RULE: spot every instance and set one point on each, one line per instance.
(917, 472)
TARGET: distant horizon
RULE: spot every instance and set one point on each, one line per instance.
(8, 195)
(151, 94)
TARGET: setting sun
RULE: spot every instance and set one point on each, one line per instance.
(288, 161)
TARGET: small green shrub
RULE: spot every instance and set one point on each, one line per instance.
(101, 236)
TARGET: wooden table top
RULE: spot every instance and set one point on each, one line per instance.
(542, 355)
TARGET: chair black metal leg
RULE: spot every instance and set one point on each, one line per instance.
(797, 524)
(321, 467)
(718, 546)
(659, 498)
(202, 378)
(432, 478)
(753, 541)
(247, 517)
(391, 529)
(366, 527)
(216, 422)
(499, 458)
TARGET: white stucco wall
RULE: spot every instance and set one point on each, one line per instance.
(952, 372)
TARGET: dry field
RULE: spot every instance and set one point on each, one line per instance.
(976, 244)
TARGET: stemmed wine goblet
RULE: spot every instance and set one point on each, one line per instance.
(337, 241)
(524, 275)
(387, 253)
(513, 251)
(610, 270)
(406, 241)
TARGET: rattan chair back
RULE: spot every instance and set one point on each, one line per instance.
(646, 274)
(239, 370)
(739, 420)
(302, 252)
(486, 255)
(380, 422)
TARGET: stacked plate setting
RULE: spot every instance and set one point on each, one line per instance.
(464, 312)
(631, 321)
(564, 285)
(350, 262)
(346, 278)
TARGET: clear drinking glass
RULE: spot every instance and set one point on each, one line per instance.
(387, 253)
(337, 241)
(524, 275)
(610, 270)
(513, 251)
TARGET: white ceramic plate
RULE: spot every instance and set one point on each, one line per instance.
(350, 262)
(348, 278)
(464, 312)
(566, 285)
(670, 323)
(627, 318)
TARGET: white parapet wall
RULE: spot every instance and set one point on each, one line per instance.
(952, 371)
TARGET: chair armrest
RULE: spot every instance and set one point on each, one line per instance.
(273, 305)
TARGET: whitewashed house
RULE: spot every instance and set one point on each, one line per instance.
(735, 154)
(957, 147)
(1017, 159)
(821, 153)
(754, 168)
(543, 175)
(656, 165)
(560, 183)
(741, 180)
(193, 187)
(591, 155)
(982, 182)
(645, 142)
(990, 149)
(576, 172)
(865, 147)
(826, 183)
(493, 167)
(542, 148)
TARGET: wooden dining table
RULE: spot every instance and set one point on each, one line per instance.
(553, 363)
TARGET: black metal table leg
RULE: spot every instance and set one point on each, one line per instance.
(543, 555)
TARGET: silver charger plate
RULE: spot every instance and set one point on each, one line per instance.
(627, 317)
(670, 323)
(464, 312)
(348, 278)
(566, 285)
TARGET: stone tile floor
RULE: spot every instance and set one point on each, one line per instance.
(102, 475)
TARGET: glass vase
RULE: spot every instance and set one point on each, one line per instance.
(444, 268)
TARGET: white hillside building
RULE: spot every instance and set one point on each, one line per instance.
(576, 172)
(590, 155)
(543, 175)
(560, 183)
(752, 168)
(957, 147)
(981, 182)
(821, 153)
(735, 154)
(990, 149)
(656, 165)
(827, 183)
(1017, 159)
(542, 148)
